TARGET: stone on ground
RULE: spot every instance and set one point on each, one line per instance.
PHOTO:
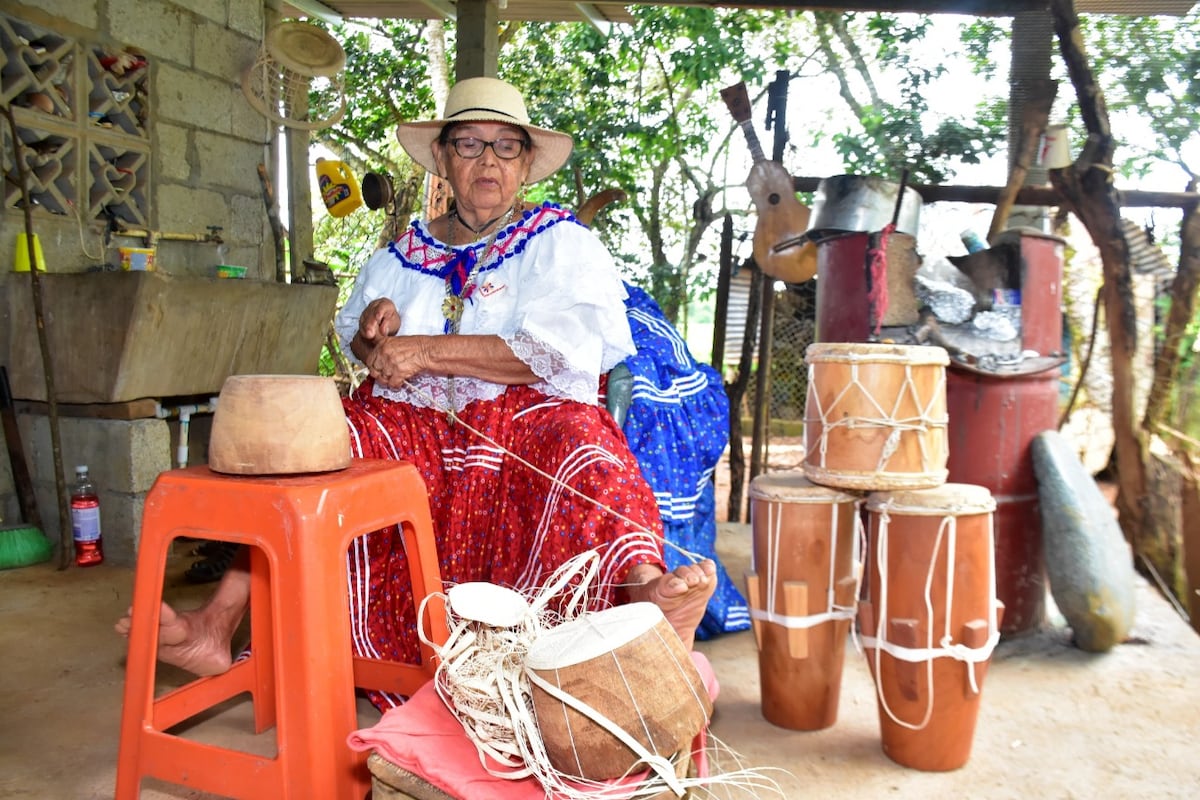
(1088, 561)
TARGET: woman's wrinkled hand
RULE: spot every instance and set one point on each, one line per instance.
(398, 358)
(379, 320)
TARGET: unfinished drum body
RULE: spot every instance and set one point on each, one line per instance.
(613, 689)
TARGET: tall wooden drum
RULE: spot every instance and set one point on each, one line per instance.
(801, 589)
(875, 416)
(931, 619)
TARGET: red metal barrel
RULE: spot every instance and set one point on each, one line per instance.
(993, 420)
(843, 313)
(1041, 291)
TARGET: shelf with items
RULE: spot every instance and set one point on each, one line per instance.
(119, 187)
(37, 68)
(81, 112)
(50, 160)
(118, 91)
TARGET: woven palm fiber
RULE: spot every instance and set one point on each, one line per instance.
(390, 782)
(628, 664)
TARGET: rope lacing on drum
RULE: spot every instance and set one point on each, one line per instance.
(922, 423)
(833, 610)
(483, 680)
(946, 646)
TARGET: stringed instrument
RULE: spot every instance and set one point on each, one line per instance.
(781, 248)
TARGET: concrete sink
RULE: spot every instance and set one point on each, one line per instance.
(120, 336)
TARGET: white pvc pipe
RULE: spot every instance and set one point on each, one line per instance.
(184, 413)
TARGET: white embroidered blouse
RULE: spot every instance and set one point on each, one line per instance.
(548, 287)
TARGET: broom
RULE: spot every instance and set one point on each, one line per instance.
(20, 545)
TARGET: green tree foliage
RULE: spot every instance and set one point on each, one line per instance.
(641, 116)
(642, 102)
(896, 131)
(1152, 74)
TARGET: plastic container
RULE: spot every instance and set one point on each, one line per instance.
(230, 271)
(338, 186)
(85, 520)
(137, 259)
(23, 257)
(972, 241)
(1054, 151)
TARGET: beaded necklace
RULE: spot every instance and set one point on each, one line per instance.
(456, 297)
(455, 302)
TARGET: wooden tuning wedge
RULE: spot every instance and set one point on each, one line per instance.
(755, 599)
(795, 604)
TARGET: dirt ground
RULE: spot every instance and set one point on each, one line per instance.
(1054, 721)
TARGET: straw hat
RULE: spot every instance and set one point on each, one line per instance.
(487, 100)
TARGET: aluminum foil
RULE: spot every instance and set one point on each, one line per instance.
(949, 303)
(996, 325)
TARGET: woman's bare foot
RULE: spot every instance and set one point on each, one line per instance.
(682, 594)
(197, 641)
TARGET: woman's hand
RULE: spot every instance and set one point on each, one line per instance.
(398, 358)
(391, 360)
(379, 320)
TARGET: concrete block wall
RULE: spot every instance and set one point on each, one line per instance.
(124, 457)
(206, 139)
(206, 142)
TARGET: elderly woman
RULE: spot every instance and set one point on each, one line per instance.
(485, 333)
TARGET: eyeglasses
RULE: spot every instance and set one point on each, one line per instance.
(470, 147)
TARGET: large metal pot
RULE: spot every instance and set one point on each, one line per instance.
(854, 203)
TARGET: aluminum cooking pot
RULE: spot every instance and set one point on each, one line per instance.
(854, 203)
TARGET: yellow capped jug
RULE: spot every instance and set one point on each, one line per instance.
(338, 186)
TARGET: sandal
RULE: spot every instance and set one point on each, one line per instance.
(207, 548)
(217, 556)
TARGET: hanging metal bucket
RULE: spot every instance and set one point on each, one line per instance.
(377, 190)
(854, 203)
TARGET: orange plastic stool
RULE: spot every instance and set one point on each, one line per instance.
(301, 671)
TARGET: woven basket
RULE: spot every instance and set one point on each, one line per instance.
(296, 80)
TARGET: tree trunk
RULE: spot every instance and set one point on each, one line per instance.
(1088, 191)
(1183, 310)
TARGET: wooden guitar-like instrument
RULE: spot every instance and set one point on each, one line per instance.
(780, 246)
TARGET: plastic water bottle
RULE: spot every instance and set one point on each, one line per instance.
(85, 520)
(972, 241)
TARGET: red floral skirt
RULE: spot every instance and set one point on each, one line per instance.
(502, 510)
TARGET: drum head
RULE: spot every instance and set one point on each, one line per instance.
(869, 352)
(488, 603)
(591, 635)
(795, 487)
(949, 498)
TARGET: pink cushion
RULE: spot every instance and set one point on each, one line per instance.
(424, 738)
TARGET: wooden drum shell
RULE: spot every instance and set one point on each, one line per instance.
(875, 416)
(638, 676)
(928, 706)
(804, 541)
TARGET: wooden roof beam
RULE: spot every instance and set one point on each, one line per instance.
(445, 9)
